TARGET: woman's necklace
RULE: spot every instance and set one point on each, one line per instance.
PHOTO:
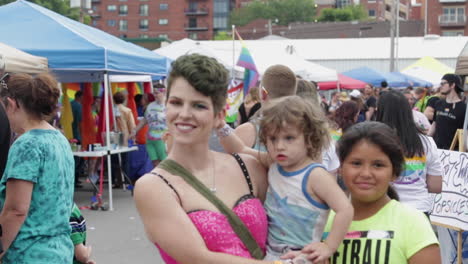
(213, 186)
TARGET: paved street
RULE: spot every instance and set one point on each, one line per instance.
(116, 236)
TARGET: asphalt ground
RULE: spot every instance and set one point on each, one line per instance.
(116, 236)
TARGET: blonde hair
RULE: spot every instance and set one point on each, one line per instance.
(295, 111)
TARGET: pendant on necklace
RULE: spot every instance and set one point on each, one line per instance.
(213, 190)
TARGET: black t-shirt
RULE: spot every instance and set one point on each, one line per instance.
(448, 118)
(246, 116)
(5, 135)
(432, 101)
(371, 102)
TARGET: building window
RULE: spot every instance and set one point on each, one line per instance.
(371, 1)
(372, 12)
(123, 10)
(193, 35)
(111, 23)
(452, 33)
(221, 7)
(143, 35)
(192, 22)
(95, 23)
(163, 36)
(193, 6)
(220, 22)
(111, 8)
(123, 25)
(163, 6)
(144, 24)
(342, 3)
(144, 10)
(163, 21)
(453, 14)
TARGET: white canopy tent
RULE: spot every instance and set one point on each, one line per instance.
(17, 61)
(227, 53)
(188, 46)
(267, 53)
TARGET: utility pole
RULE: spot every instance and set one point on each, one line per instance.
(425, 17)
(397, 33)
(392, 37)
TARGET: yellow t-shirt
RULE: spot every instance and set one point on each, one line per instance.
(391, 236)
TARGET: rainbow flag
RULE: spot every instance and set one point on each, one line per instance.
(246, 61)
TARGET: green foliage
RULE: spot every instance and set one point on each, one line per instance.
(349, 13)
(281, 12)
(222, 35)
(59, 6)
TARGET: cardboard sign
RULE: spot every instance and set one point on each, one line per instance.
(451, 206)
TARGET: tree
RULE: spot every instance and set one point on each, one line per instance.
(349, 13)
(222, 35)
(281, 12)
(59, 6)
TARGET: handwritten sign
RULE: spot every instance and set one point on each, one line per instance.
(451, 206)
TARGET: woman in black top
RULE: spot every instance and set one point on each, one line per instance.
(250, 106)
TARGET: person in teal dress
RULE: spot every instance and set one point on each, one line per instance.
(36, 190)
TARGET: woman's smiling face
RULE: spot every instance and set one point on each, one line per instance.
(190, 114)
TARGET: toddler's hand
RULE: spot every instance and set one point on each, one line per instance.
(291, 254)
(318, 252)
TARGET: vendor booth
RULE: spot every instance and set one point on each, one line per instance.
(77, 52)
(17, 61)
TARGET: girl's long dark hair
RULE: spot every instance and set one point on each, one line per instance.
(394, 110)
(380, 135)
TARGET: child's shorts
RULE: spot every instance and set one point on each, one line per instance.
(156, 149)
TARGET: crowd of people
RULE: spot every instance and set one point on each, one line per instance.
(302, 179)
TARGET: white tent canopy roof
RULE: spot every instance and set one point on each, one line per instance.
(188, 46)
(267, 53)
(264, 57)
(17, 61)
(357, 48)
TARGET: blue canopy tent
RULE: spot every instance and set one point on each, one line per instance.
(413, 81)
(375, 77)
(76, 52)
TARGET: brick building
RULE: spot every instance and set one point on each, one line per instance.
(171, 19)
(201, 19)
(446, 17)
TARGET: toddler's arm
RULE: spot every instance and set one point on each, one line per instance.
(82, 253)
(233, 144)
(323, 185)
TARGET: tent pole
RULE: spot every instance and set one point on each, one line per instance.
(108, 148)
(465, 124)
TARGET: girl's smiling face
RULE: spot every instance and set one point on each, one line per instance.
(367, 172)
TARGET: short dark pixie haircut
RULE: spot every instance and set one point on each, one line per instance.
(205, 74)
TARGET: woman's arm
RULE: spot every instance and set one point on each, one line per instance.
(434, 183)
(323, 185)
(140, 125)
(15, 210)
(167, 224)
(429, 112)
(427, 255)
